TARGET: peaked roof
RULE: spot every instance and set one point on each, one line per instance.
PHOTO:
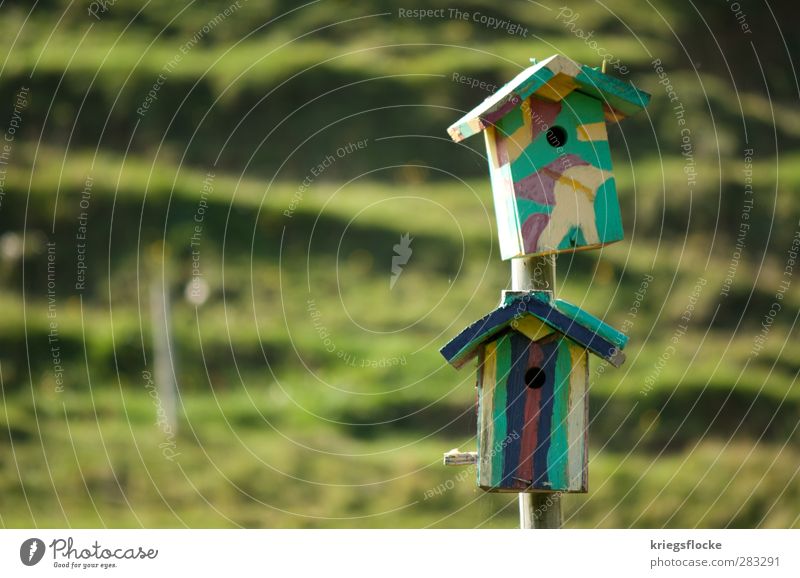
(583, 328)
(552, 79)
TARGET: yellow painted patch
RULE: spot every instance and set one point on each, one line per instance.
(557, 88)
(572, 183)
(520, 138)
(612, 115)
(583, 178)
(593, 131)
(475, 125)
(577, 419)
(532, 328)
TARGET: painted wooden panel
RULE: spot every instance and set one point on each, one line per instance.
(505, 206)
(564, 191)
(486, 372)
(532, 432)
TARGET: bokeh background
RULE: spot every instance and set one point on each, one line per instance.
(198, 323)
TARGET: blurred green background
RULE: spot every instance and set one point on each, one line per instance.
(310, 393)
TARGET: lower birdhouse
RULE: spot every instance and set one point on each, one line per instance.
(532, 382)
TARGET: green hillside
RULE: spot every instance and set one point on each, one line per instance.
(278, 151)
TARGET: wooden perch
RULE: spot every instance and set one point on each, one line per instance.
(458, 458)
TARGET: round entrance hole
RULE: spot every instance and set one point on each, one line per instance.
(556, 137)
(535, 377)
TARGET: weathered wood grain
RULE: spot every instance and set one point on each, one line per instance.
(458, 458)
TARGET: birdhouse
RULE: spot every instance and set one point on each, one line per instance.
(549, 160)
(532, 382)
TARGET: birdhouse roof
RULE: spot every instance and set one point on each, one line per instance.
(549, 316)
(552, 79)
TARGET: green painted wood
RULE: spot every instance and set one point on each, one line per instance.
(480, 442)
(526, 208)
(577, 109)
(620, 95)
(573, 238)
(607, 213)
(510, 122)
(558, 454)
(499, 407)
(592, 323)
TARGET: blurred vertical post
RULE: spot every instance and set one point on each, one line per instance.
(538, 510)
(160, 316)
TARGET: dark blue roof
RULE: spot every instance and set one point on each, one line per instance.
(583, 328)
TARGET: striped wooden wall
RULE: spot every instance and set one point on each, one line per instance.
(532, 438)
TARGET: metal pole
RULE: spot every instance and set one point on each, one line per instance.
(160, 320)
(540, 510)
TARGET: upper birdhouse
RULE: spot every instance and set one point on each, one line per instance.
(549, 159)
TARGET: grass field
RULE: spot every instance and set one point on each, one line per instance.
(311, 394)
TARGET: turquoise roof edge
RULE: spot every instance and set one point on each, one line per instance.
(592, 323)
(578, 315)
(587, 330)
(619, 94)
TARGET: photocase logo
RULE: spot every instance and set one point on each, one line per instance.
(402, 255)
(31, 551)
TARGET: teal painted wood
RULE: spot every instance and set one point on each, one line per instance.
(532, 439)
(577, 109)
(480, 439)
(499, 402)
(621, 96)
(558, 454)
(566, 197)
(570, 320)
(592, 323)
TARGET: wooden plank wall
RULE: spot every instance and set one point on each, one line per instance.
(533, 439)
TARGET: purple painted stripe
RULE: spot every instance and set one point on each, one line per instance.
(537, 187)
(493, 116)
(516, 391)
(543, 115)
(532, 230)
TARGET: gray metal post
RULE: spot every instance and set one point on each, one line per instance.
(537, 274)
(160, 320)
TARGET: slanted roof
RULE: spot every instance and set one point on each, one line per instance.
(583, 328)
(552, 79)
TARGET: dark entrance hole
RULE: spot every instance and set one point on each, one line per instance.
(556, 137)
(535, 377)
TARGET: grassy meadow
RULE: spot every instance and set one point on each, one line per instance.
(150, 143)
